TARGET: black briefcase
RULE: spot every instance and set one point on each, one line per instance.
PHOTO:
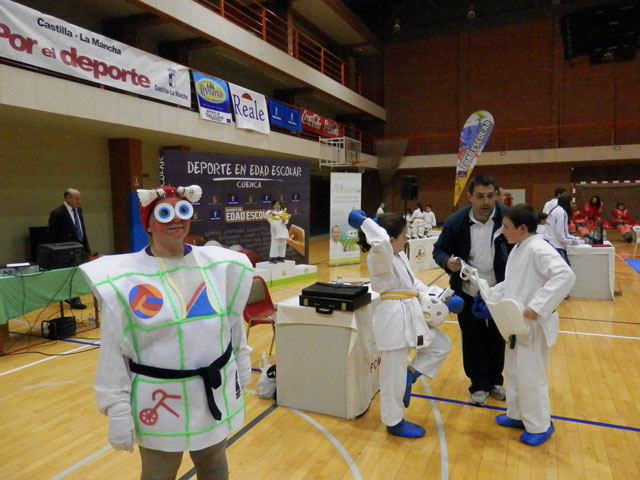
(327, 297)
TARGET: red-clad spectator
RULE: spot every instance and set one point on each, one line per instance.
(578, 221)
(593, 211)
(622, 221)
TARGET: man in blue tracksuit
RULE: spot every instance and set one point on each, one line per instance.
(474, 234)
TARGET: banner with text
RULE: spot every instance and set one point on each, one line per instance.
(34, 38)
(250, 109)
(325, 127)
(237, 191)
(213, 98)
(346, 195)
(284, 116)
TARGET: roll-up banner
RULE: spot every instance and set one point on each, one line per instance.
(31, 37)
(345, 195)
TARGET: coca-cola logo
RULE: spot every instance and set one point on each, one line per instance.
(332, 128)
(311, 119)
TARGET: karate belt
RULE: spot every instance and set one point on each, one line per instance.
(210, 375)
(398, 294)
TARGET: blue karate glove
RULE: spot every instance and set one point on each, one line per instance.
(479, 308)
(455, 304)
(356, 217)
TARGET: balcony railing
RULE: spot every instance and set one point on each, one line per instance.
(263, 23)
(533, 138)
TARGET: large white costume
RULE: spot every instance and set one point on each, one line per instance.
(538, 277)
(400, 324)
(279, 233)
(179, 315)
(556, 230)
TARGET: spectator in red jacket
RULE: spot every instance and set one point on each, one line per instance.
(578, 221)
(622, 221)
(593, 211)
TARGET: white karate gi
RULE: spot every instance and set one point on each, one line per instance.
(279, 235)
(399, 324)
(178, 314)
(538, 277)
(550, 205)
(430, 219)
(556, 230)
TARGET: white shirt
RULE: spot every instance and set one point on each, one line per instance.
(556, 231)
(481, 253)
(549, 205)
(379, 212)
(430, 218)
(73, 218)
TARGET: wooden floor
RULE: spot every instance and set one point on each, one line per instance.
(50, 427)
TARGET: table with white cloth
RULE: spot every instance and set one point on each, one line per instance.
(327, 363)
(595, 270)
(420, 252)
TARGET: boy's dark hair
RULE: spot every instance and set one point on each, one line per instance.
(523, 214)
(559, 191)
(393, 224)
(484, 180)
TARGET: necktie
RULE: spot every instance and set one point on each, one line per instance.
(76, 222)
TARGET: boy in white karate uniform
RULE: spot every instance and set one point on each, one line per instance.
(538, 278)
(398, 321)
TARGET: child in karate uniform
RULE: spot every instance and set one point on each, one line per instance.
(398, 321)
(538, 277)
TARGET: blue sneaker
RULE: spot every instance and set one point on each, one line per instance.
(406, 429)
(536, 439)
(505, 421)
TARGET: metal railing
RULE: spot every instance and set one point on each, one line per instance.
(263, 23)
(533, 138)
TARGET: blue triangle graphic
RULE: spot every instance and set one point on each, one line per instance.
(201, 306)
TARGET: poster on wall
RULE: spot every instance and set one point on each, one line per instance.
(513, 196)
(213, 98)
(345, 195)
(237, 191)
(34, 38)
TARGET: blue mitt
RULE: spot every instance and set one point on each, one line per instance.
(455, 304)
(356, 217)
(479, 308)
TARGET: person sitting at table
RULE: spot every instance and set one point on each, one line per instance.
(622, 221)
(398, 321)
(556, 231)
(172, 336)
(578, 221)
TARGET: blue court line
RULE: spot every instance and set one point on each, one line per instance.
(556, 417)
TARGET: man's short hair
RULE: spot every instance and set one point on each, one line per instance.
(484, 180)
(523, 214)
(68, 192)
(559, 191)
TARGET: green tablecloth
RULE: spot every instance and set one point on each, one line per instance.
(24, 293)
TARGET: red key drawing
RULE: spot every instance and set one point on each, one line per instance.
(149, 416)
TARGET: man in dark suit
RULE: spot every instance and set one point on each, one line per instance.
(66, 224)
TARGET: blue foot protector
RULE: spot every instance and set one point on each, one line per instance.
(406, 429)
(411, 379)
(505, 421)
(536, 439)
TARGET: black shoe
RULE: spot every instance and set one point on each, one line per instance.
(76, 304)
(628, 237)
(280, 259)
(273, 260)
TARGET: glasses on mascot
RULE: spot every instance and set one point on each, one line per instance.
(165, 212)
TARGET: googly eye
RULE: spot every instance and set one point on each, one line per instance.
(164, 212)
(184, 210)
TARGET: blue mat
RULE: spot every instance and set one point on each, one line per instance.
(635, 264)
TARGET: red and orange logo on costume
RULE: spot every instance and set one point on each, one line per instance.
(145, 300)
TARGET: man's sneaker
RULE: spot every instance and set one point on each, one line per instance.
(479, 398)
(498, 391)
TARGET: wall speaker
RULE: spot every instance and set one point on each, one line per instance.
(409, 188)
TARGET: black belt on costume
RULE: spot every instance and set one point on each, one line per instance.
(210, 375)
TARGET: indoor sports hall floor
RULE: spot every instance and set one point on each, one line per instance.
(50, 427)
